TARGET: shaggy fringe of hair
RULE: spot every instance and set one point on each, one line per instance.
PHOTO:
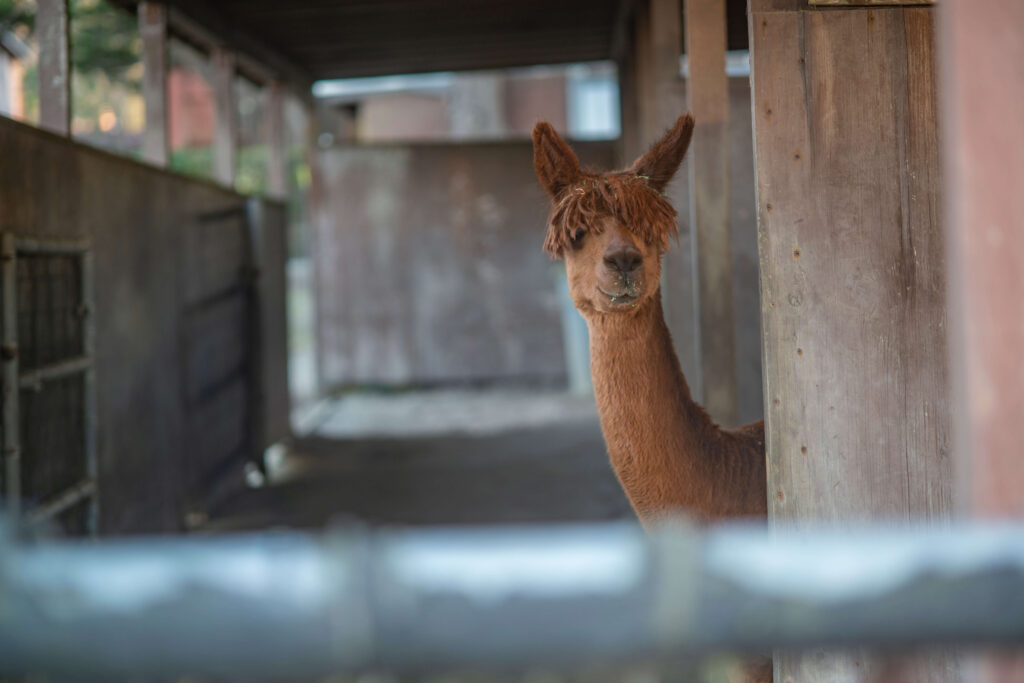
(643, 210)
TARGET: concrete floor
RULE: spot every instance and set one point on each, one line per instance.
(437, 457)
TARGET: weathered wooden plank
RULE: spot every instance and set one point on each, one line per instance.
(270, 227)
(153, 29)
(656, 98)
(52, 29)
(433, 253)
(217, 433)
(852, 279)
(708, 95)
(214, 346)
(214, 255)
(983, 83)
(53, 188)
(225, 140)
(277, 162)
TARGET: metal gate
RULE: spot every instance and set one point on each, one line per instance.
(49, 415)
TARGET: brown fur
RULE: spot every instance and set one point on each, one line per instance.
(666, 451)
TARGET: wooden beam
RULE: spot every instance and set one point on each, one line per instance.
(153, 29)
(277, 160)
(983, 97)
(200, 23)
(225, 141)
(852, 267)
(708, 94)
(653, 98)
(53, 31)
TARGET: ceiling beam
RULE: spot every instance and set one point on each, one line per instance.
(201, 24)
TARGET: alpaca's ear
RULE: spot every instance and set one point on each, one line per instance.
(556, 165)
(662, 160)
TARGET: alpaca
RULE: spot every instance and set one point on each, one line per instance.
(612, 229)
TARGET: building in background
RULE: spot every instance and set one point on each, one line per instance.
(580, 100)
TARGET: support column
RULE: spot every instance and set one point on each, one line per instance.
(225, 141)
(153, 29)
(983, 104)
(277, 161)
(52, 28)
(853, 276)
(652, 99)
(708, 96)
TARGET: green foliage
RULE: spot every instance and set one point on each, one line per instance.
(251, 174)
(15, 14)
(105, 38)
(193, 161)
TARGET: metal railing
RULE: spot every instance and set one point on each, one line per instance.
(292, 605)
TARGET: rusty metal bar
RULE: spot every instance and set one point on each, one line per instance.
(289, 605)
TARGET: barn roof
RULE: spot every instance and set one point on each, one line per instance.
(350, 38)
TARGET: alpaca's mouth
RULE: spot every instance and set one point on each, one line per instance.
(624, 298)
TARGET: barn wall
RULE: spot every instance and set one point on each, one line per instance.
(178, 388)
(430, 269)
(852, 278)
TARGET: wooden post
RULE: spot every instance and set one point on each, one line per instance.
(852, 262)
(315, 224)
(652, 99)
(277, 161)
(153, 29)
(708, 94)
(225, 141)
(52, 28)
(983, 88)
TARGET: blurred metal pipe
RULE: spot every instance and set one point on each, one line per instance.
(289, 605)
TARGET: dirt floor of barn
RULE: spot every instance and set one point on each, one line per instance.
(436, 457)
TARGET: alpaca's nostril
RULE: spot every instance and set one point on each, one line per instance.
(624, 260)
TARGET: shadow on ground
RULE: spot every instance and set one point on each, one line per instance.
(548, 474)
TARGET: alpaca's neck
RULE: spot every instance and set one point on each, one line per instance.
(666, 451)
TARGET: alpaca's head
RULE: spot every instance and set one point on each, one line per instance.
(610, 228)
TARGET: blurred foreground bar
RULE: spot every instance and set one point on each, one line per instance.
(290, 605)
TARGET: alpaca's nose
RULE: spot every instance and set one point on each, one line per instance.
(624, 259)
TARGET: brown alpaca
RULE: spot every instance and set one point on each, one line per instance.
(612, 230)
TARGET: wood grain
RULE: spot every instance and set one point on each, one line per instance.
(852, 281)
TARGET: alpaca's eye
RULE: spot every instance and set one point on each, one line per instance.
(576, 238)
